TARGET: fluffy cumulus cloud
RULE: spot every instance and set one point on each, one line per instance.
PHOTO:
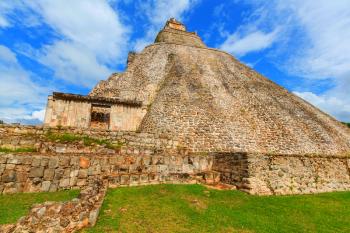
(92, 39)
(326, 53)
(157, 12)
(18, 93)
(328, 103)
(310, 39)
(240, 45)
(87, 42)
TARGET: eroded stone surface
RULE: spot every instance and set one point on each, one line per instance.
(63, 217)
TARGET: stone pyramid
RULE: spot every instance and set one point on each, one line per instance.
(210, 101)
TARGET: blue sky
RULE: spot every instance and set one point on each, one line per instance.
(68, 46)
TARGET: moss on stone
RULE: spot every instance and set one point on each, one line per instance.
(87, 141)
(18, 150)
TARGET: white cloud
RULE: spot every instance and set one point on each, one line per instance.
(240, 45)
(157, 13)
(74, 63)
(3, 22)
(19, 95)
(40, 115)
(90, 42)
(5, 8)
(313, 43)
(333, 105)
(92, 39)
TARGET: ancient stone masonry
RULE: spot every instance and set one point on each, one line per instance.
(180, 113)
(63, 216)
(267, 174)
(37, 137)
(43, 173)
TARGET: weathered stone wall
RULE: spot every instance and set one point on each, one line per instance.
(233, 168)
(288, 174)
(265, 174)
(170, 35)
(67, 113)
(63, 217)
(37, 172)
(12, 136)
(126, 117)
(74, 113)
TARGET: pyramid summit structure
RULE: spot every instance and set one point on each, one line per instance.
(212, 102)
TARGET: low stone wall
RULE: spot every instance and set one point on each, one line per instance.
(36, 136)
(288, 174)
(37, 172)
(265, 174)
(67, 216)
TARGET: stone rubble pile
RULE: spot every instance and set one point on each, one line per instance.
(63, 216)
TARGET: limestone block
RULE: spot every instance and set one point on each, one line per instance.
(124, 179)
(36, 162)
(2, 168)
(49, 174)
(45, 186)
(74, 173)
(3, 159)
(22, 176)
(53, 187)
(81, 182)
(73, 181)
(10, 166)
(44, 162)
(10, 188)
(83, 173)
(74, 161)
(8, 176)
(53, 162)
(134, 179)
(64, 183)
(66, 173)
(64, 161)
(13, 160)
(36, 172)
(58, 173)
(27, 160)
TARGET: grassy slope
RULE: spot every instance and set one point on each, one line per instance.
(14, 206)
(193, 208)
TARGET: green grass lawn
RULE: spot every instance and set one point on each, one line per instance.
(194, 208)
(14, 206)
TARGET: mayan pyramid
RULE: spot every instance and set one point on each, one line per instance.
(210, 101)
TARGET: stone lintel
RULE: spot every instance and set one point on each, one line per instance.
(95, 100)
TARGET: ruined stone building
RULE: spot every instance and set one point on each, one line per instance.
(204, 98)
(180, 113)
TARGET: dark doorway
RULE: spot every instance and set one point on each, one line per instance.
(100, 116)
